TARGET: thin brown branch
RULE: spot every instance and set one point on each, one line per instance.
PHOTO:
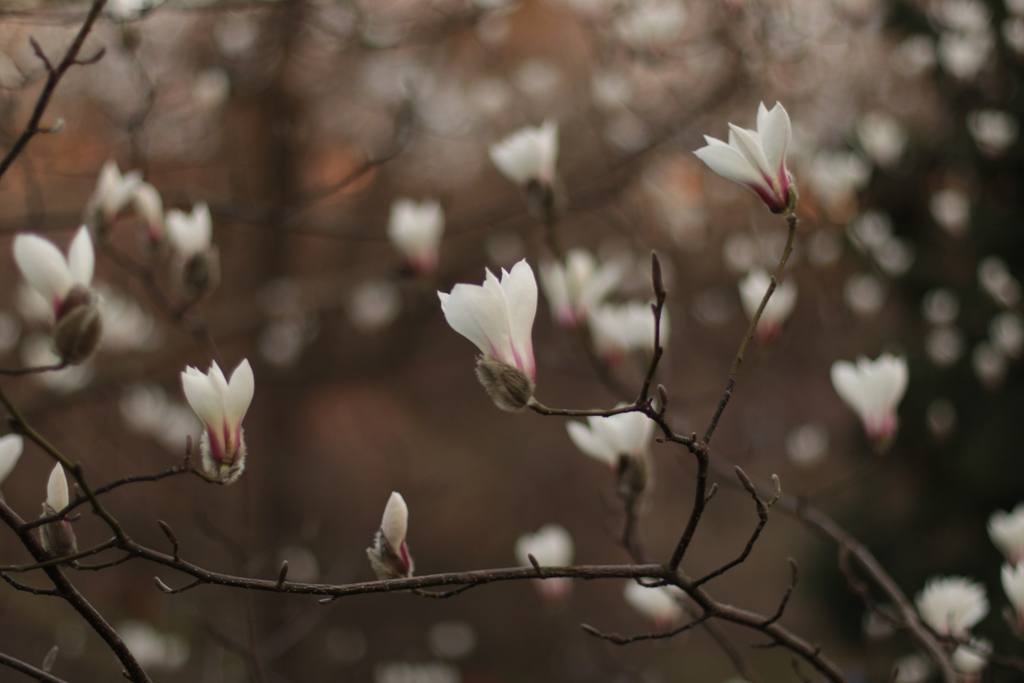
(53, 78)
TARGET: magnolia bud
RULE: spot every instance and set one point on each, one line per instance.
(79, 326)
(201, 273)
(57, 538)
(389, 555)
(225, 469)
(385, 561)
(508, 387)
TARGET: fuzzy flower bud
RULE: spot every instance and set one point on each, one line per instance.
(57, 538)
(389, 555)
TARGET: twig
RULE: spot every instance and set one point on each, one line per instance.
(53, 78)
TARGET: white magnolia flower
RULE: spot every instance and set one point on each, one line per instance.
(190, 233)
(1013, 585)
(57, 496)
(911, 669)
(48, 272)
(415, 230)
(113, 193)
(574, 288)
(778, 308)
(608, 439)
(660, 604)
(497, 317)
(619, 329)
(528, 155)
(952, 605)
(150, 206)
(10, 450)
(951, 209)
(551, 546)
(221, 405)
(873, 389)
(389, 555)
(756, 158)
(1006, 529)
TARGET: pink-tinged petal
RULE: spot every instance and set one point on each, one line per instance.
(205, 400)
(43, 267)
(239, 394)
(81, 257)
(729, 163)
(57, 489)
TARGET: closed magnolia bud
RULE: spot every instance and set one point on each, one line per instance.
(57, 538)
(201, 273)
(79, 326)
(389, 555)
(508, 387)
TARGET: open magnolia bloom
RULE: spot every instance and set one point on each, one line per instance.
(415, 230)
(756, 158)
(952, 605)
(622, 442)
(389, 555)
(551, 546)
(873, 389)
(11, 446)
(660, 604)
(528, 155)
(65, 284)
(498, 317)
(970, 659)
(150, 207)
(577, 286)
(1006, 529)
(58, 537)
(221, 405)
(113, 193)
(191, 237)
(778, 308)
(619, 329)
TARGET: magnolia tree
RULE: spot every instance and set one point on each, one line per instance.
(606, 316)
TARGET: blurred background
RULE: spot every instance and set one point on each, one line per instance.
(300, 121)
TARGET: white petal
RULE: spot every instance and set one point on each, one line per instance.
(57, 489)
(749, 143)
(239, 394)
(729, 163)
(43, 266)
(774, 129)
(205, 400)
(588, 442)
(395, 521)
(81, 257)
(475, 313)
(520, 288)
(10, 450)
